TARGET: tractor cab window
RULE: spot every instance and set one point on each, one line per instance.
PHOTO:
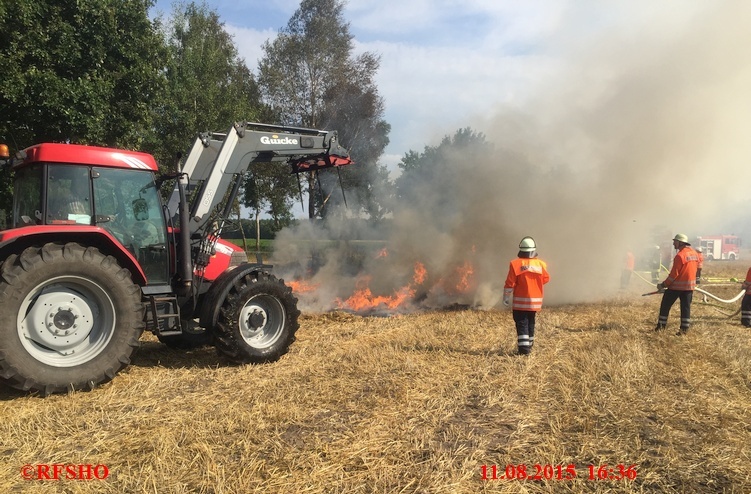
(27, 196)
(68, 195)
(128, 205)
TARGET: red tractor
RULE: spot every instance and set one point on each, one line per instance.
(94, 257)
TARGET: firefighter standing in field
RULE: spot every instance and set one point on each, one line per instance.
(700, 265)
(628, 269)
(656, 264)
(746, 302)
(526, 276)
(679, 284)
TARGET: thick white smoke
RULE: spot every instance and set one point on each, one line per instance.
(643, 124)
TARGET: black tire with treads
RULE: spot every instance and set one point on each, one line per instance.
(258, 319)
(70, 318)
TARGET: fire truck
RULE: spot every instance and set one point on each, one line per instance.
(94, 256)
(720, 247)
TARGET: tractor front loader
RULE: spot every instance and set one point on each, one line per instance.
(94, 257)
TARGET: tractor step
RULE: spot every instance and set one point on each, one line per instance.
(164, 314)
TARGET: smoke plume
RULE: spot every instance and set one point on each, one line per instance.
(641, 127)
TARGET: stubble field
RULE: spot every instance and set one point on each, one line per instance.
(417, 403)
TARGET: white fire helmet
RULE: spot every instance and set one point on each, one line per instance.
(527, 245)
(681, 238)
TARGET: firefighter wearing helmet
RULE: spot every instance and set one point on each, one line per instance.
(679, 284)
(526, 276)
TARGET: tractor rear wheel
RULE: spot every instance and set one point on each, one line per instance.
(258, 319)
(71, 318)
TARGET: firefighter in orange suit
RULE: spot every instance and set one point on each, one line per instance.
(746, 302)
(526, 276)
(679, 284)
(628, 269)
(699, 266)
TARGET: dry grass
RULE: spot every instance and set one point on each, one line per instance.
(414, 403)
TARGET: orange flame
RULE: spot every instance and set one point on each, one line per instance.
(420, 274)
(303, 286)
(363, 298)
(460, 281)
(465, 272)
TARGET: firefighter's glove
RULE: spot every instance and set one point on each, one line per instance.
(661, 286)
(506, 300)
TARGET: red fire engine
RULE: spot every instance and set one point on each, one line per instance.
(720, 247)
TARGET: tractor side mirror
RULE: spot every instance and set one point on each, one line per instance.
(140, 209)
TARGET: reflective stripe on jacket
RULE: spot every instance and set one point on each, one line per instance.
(525, 280)
(682, 275)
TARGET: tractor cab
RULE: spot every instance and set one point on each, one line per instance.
(74, 197)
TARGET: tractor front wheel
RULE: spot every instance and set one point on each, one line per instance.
(258, 319)
(70, 318)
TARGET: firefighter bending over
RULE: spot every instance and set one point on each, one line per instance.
(679, 284)
(526, 276)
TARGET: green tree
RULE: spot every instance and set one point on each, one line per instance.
(310, 78)
(429, 178)
(85, 71)
(209, 86)
(267, 190)
(354, 107)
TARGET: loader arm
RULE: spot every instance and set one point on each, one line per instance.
(217, 160)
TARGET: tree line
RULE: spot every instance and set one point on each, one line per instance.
(103, 72)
